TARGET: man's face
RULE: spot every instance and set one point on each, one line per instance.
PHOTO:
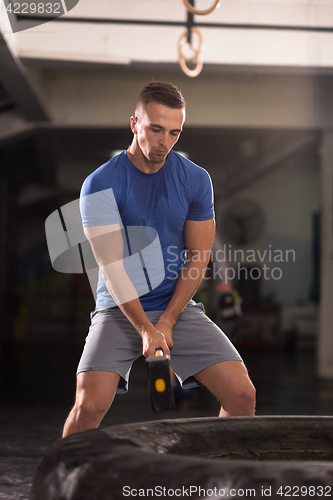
(157, 128)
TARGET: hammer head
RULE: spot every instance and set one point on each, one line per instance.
(159, 383)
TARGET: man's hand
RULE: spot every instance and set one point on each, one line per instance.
(167, 329)
(153, 339)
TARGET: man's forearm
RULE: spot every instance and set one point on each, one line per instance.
(107, 245)
(188, 281)
(152, 338)
(125, 295)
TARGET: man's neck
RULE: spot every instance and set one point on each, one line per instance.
(140, 161)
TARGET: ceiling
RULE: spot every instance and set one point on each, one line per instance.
(235, 157)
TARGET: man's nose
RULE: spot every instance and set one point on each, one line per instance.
(164, 140)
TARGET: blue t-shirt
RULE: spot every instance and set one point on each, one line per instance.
(164, 200)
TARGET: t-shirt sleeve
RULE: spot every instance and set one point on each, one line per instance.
(202, 197)
(98, 206)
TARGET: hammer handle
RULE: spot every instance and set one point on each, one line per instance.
(159, 352)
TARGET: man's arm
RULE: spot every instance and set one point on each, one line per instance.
(198, 239)
(107, 245)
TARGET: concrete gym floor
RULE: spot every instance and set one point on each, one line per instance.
(286, 384)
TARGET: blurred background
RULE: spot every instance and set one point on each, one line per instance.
(259, 119)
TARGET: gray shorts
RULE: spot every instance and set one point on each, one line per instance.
(113, 344)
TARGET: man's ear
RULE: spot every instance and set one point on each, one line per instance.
(133, 124)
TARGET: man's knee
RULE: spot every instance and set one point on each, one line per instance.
(247, 393)
(95, 392)
(88, 409)
(244, 396)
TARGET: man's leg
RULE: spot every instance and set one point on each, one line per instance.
(94, 394)
(230, 383)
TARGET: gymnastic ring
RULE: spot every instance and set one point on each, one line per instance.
(193, 10)
(182, 46)
(191, 72)
(188, 58)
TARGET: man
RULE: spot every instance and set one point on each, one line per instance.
(149, 185)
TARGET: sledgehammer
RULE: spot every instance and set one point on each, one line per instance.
(159, 382)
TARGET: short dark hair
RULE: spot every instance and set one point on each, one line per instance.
(162, 93)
